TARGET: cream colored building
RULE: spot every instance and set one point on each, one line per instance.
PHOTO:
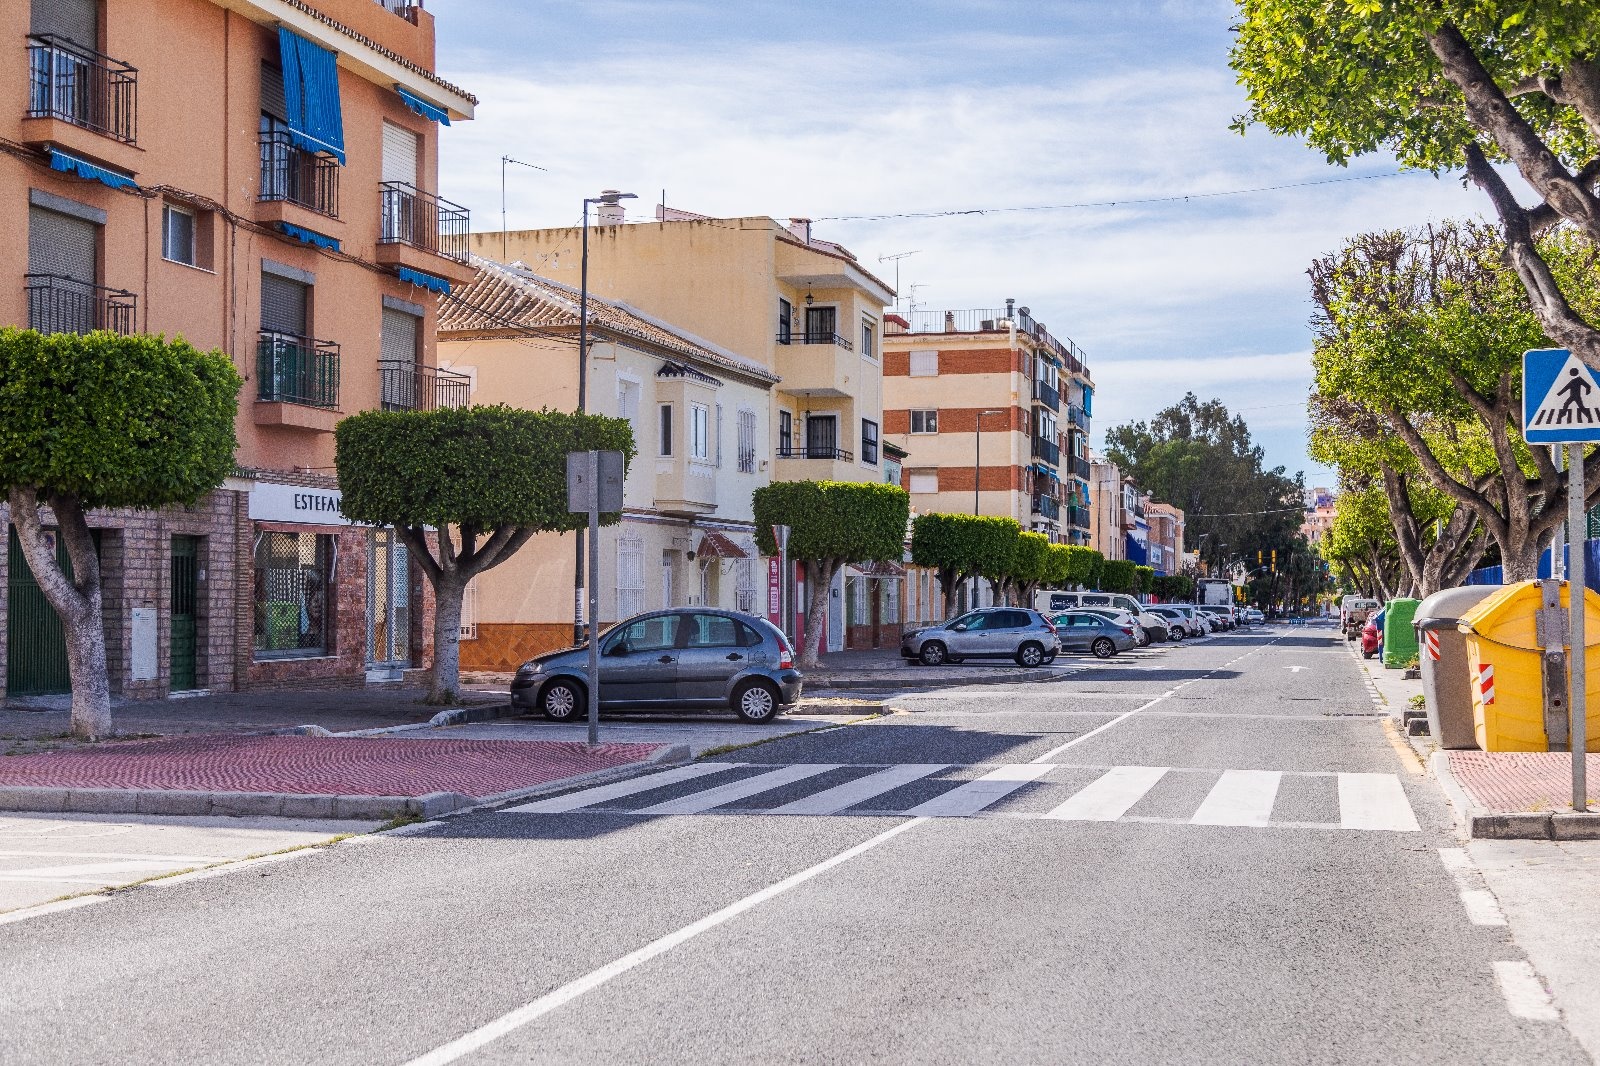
(701, 419)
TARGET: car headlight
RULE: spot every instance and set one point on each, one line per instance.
(528, 669)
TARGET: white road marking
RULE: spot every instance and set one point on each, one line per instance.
(1482, 908)
(510, 1022)
(974, 796)
(696, 802)
(836, 799)
(89, 869)
(1050, 755)
(1525, 994)
(1240, 797)
(600, 794)
(1455, 859)
(1110, 796)
(183, 859)
(49, 908)
(1375, 801)
(1296, 669)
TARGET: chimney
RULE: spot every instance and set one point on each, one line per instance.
(801, 227)
(1011, 305)
(609, 214)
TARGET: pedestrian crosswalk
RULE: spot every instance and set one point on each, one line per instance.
(1059, 792)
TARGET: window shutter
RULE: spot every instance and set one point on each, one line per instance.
(924, 364)
(76, 20)
(272, 101)
(399, 154)
(62, 245)
(283, 305)
(400, 334)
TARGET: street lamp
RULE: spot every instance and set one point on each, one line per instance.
(977, 454)
(607, 198)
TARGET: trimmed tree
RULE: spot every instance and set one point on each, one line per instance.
(1030, 566)
(1173, 588)
(494, 476)
(959, 546)
(831, 524)
(1145, 579)
(104, 420)
(1000, 558)
(1084, 566)
(1118, 575)
(1058, 566)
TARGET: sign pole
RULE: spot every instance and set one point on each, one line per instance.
(1577, 596)
(1558, 565)
(594, 599)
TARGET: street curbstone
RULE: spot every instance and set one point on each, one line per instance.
(26, 798)
(307, 806)
(671, 756)
(1515, 826)
(369, 808)
(437, 804)
(246, 803)
(1575, 826)
(102, 801)
(150, 801)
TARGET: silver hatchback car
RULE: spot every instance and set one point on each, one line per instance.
(987, 633)
(686, 657)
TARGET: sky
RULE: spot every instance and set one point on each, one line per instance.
(1051, 119)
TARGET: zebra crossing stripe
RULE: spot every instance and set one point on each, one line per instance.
(590, 796)
(1375, 801)
(974, 796)
(1240, 797)
(836, 799)
(1110, 796)
(697, 802)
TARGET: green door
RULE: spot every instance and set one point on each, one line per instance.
(36, 644)
(185, 559)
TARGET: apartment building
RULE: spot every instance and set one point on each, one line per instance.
(259, 177)
(801, 307)
(701, 419)
(1166, 537)
(1109, 518)
(1320, 511)
(995, 412)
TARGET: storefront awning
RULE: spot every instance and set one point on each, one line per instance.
(880, 569)
(714, 545)
(422, 107)
(311, 93)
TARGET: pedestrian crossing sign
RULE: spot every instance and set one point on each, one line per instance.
(1560, 398)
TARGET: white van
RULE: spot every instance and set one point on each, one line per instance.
(1049, 603)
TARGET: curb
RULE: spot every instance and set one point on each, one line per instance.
(295, 805)
(1479, 823)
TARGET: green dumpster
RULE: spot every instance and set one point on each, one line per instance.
(1399, 638)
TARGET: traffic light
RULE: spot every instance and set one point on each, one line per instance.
(1259, 559)
(1274, 558)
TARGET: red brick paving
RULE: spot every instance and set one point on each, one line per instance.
(298, 765)
(1515, 781)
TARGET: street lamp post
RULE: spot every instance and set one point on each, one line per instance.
(607, 198)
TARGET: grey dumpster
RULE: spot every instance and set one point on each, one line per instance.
(1445, 681)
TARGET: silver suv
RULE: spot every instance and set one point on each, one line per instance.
(987, 633)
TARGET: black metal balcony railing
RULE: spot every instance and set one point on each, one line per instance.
(406, 9)
(1048, 395)
(816, 451)
(408, 386)
(290, 173)
(297, 370)
(1048, 506)
(58, 304)
(1077, 516)
(1080, 468)
(423, 220)
(815, 338)
(1047, 450)
(75, 84)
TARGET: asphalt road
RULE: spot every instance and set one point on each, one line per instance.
(1200, 855)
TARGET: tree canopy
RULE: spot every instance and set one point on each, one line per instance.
(960, 546)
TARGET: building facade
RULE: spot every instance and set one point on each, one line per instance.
(1166, 537)
(259, 177)
(1109, 520)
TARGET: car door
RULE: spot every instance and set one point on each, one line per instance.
(639, 661)
(1074, 631)
(715, 648)
(965, 635)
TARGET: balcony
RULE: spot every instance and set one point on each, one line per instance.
(73, 87)
(1077, 516)
(406, 9)
(58, 304)
(815, 338)
(1080, 468)
(827, 366)
(1047, 451)
(1047, 506)
(408, 386)
(423, 232)
(297, 382)
(292, 175)
(816, 451)
(1078, 417)
(1048, 395)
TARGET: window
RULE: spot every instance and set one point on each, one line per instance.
(628, 404)
(718, 443)
(401, 382)
(646, 635)
(699, 431)
(785, 321)
(924, 364)
(292, 579)
(177, 235)
(713, 631)
(924, 481)
(785, 433)
(925, 421)
(666, 429)
(630, 576)
(869, 442)
(744, 582)
(869, 337)
(747, 443)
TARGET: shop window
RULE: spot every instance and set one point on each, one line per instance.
(293, 573)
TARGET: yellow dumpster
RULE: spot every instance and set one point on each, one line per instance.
(1506, 669)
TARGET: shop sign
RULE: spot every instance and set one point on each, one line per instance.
(270, 502)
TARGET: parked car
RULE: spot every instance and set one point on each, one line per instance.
(1182, 623)
(1051, 603)
(1094, 633)
(1141, 635)
(685, 657)
(987, 633)
(1354, 612)
(1219, 616)
(1254, 616)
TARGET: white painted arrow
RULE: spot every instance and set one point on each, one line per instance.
(1296, 669)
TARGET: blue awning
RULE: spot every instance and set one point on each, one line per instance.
(1135, 552)
(311, 92)
(310, 236)
(422, 107)
(71, 164)
(426, 281)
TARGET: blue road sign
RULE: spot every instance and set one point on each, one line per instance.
(1560, 398)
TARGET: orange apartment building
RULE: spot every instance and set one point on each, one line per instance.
(260, 177)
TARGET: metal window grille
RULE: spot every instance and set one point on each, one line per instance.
(891, 600)
(630, 577)
(293, 579)
(747, 442)
(469, 611)
(744, 585)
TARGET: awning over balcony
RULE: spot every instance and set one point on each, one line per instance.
(311, 93)
(71, 164)
(1040, 468)
(422, 107)
(309, 236)
(714, 545)
(426, 281)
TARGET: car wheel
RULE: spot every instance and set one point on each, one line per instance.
(1143, 640)
(1177, 633)
(1030, 655)
(755, 702)
(560, 700)
(933, 654)
(1103, 648)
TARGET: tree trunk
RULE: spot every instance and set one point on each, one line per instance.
(77, 601)
(1519, 558)
(947, 588)
(444, 680)
(819, 578)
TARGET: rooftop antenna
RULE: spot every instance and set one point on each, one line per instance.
(911, 296)
(895, 258)
(503, 161)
